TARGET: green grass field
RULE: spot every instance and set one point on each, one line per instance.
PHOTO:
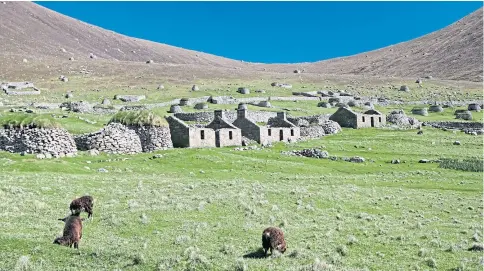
(205, 209)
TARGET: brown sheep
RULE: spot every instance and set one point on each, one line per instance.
(273, 238)
(72, 231)
(85, 203)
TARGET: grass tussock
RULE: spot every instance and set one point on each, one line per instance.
(28, 121)
(138, 118)
(470, 164)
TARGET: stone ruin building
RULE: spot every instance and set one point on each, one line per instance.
(218, 133)
(278, 128)
(221, 133)
(19, 88)
(56, 142)
(346, 117)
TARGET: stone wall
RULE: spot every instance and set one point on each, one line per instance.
(312, 131)
(201, 137)
(228, 137)
(231, 116)
(179, 132)
(455, 125)
(153, 137)
(249, 128)
(311, 120)
(56, 141)
(114, 138)
(345, 118)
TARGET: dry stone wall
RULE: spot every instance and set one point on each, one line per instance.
(455, 125)
(114, 138)
(230, 116)
(312, 132)
(56, 141)
(153, 138)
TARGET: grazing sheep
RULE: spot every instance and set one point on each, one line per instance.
(273, 238)
(85, 203)
(72, 231)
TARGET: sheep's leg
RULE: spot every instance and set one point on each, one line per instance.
(265, 251)
(76, 245)
(271, 250)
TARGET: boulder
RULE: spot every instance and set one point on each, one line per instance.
(404, 88)
(436, 108)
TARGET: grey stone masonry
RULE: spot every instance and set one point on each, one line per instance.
(153, 137)
(249, 128)
(114, 138)
(55, 141)
(346, 117)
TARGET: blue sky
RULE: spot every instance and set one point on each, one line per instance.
(271, 32)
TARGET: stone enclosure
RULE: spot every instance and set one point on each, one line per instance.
(53, 141)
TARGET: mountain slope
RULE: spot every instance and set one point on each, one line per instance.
(454, 52)
(34, 32)
(45, 37)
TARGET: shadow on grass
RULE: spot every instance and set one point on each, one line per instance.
(258, 254)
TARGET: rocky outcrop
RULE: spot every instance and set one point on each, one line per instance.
(399, 118)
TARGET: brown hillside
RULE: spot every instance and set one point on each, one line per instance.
(454, 52)
(31, 31)
(47, 39)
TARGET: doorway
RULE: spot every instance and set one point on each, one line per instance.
(281, 135)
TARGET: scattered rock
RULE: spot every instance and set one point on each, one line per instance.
(201, 106)
(176, 109)
(92, 56)
(150, 61)
(106, 101)
(476, 247)
(103, 170)
(63, 78)
(331, 127)
(297, 71)
(404, 88)
(357, 159)
(40, 156)
(313, 153)
(395, 161)
(420, 111)
(423, 161)
(130, 98)
(474, 107)
(456, 142)
(467, 115)
(436, 108)
(160, 87)
(399, 118)
(243, 91)
(69, 95)
(195, 88)
(324, 104)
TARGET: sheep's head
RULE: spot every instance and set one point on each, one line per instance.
(281, 247)
(61, 241)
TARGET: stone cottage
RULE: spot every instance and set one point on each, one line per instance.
(226, 134)
(277, 129)
(218, 133)
(346, 117)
